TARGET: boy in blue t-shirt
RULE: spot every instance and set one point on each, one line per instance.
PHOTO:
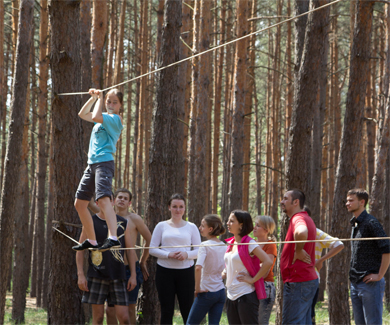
(98, 175)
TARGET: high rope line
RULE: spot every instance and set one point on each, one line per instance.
(238, 244)
(209, 50)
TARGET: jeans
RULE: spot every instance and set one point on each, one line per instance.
(265, 305)
(207, 302)
(297, 300)
(367, 302)
(243, 310)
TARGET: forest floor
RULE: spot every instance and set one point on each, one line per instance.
(38, 316)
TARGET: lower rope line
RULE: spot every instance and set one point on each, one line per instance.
(238, 244)
(66, 236)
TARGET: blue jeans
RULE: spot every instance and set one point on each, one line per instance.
(297, 300)
(207, 302)
(367, 302)
(265, 305)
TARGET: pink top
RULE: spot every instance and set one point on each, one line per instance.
(251, 263)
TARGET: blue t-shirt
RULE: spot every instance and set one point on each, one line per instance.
(104, 137)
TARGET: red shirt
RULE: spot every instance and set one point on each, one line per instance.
(299, 271)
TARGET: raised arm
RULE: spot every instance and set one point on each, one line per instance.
(85, 111)
(97, 113)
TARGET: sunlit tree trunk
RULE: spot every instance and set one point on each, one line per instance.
(14, 145)
(347, 164)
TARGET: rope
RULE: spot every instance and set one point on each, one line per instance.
(209, 50)
(237, 244)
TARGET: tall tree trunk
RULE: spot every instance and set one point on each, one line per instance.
(346, 168)
(305, 99)
(238, 136)
(69, 161)
(14, 145)
(183, 89)
(98, 39)
(142, 105)
(22, 240)
(86, 70)
(42, 159)
(49, 218)
(199, 200)
(163, 164)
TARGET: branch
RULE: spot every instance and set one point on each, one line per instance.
(260, 165)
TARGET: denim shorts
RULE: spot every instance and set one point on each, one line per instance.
(100, 290)
(97, 179)
(133, 294)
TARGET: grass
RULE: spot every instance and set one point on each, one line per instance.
(38, 316)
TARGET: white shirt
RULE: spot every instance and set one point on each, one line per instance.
(234, 266)
(166, 235)
(212, 261)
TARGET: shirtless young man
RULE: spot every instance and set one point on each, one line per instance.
(122, 202)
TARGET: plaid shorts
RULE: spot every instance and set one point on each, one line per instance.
(100, 290)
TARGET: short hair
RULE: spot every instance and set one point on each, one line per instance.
(214, 221)
(123, 190)
(117, 93)
(297, 194)
(360, 193)
(245, 218)
(176, 196)
(268, 223)
(307, 209)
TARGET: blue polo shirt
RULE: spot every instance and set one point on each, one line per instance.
(104, 136)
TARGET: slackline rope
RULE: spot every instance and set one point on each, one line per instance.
(256, 243)
(209, 50)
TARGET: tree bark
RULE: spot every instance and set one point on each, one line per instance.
(14, 145)
(22, 240)
(298, 165)
(163, 164)
(86, 69)
(346, 169)
(99, 30)
(238, 136)
(64, 294)
(41, 152)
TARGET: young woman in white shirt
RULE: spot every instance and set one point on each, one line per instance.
(209, 286)
(243, 288)
(175, 266)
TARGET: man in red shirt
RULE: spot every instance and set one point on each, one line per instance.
(297, 261)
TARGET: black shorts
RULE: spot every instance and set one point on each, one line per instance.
(97, 179)
(100, 290)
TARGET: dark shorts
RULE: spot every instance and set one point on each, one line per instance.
(100, 290)
(133, 294)
(97, 179)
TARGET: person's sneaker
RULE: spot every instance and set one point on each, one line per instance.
(108, 244)
(84, 245)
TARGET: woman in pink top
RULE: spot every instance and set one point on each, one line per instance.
(244, 282)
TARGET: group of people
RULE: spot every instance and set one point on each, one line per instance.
(242, 266)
